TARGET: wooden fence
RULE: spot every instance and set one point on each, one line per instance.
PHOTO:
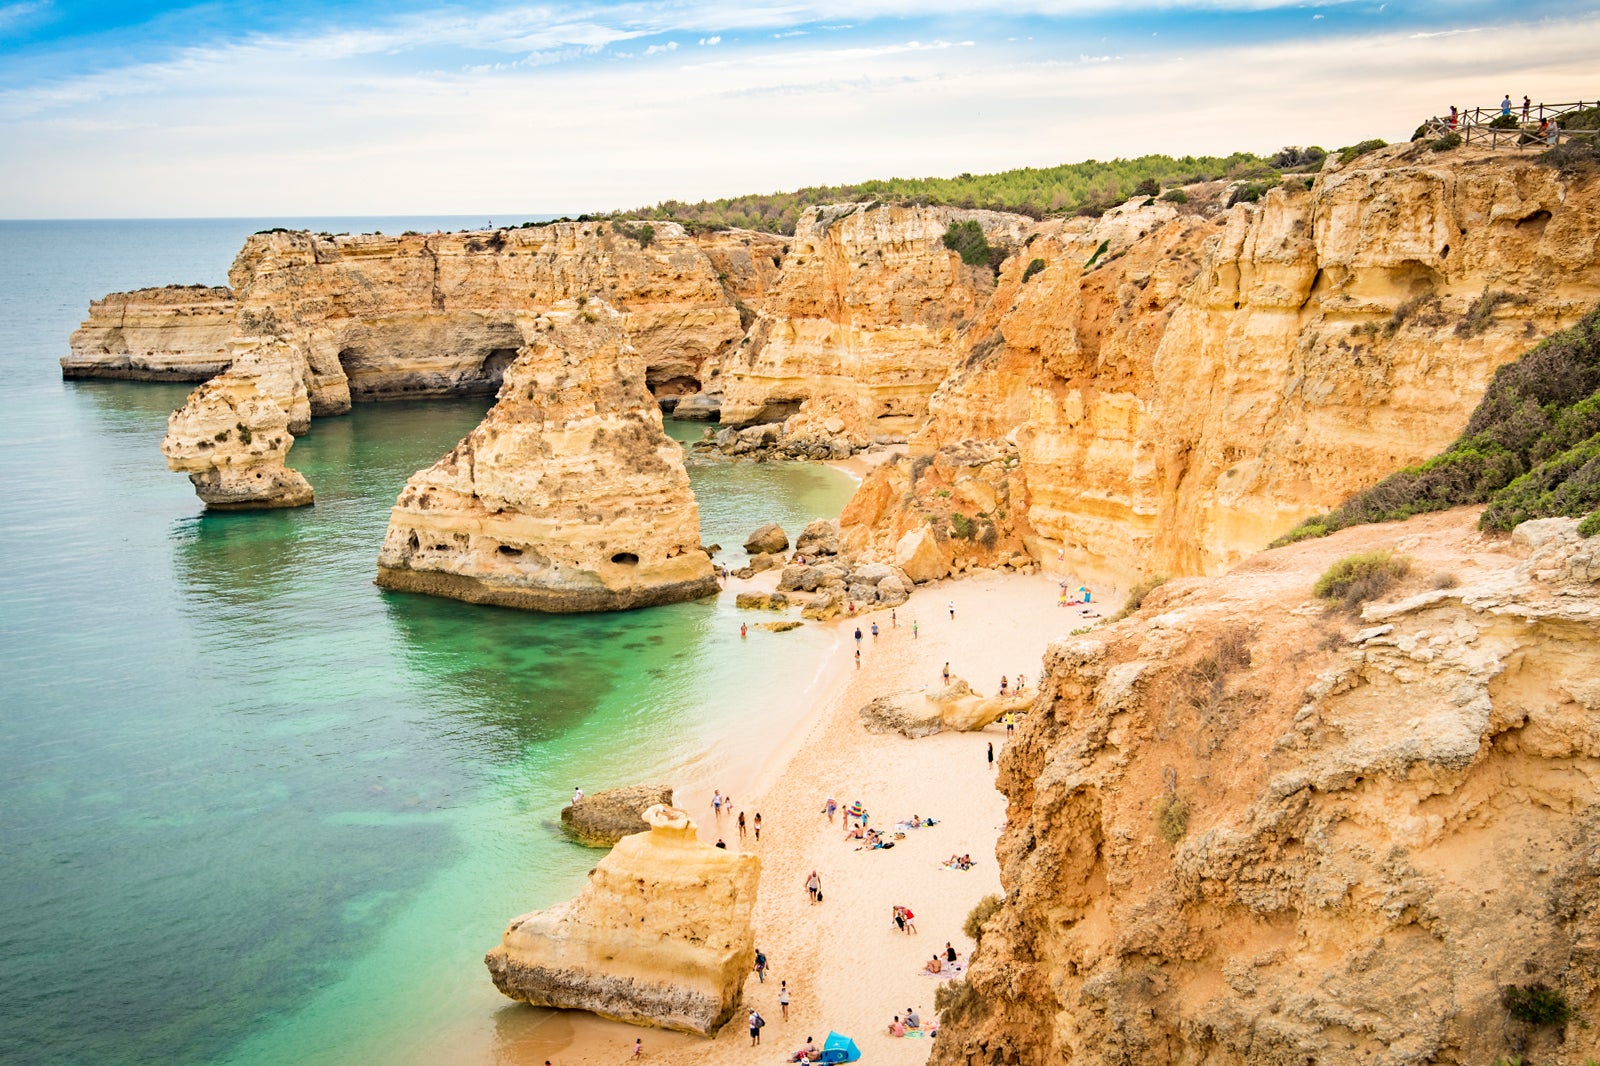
(1476, 128)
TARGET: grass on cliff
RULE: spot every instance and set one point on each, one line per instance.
(1357, 578)
(1530, 450)
(1092, 186)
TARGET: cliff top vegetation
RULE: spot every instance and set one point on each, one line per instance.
(1092, 186)
(1530, 450)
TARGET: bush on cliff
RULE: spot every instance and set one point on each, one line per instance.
(1355, 151)
(968, 240)
(986, 908)
(1357, 578)
(1530, 450)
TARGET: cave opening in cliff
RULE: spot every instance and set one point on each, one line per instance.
(625, 559)
(493, 370)
(669, 390)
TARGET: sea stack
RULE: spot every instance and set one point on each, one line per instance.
(233, 432)
(568, 497)
(661, 935)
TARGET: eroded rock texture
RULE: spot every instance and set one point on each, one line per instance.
(660, 935)
(176, 333)
(600, 820)
(1179, 390)
(568, 497)
(1242, 829)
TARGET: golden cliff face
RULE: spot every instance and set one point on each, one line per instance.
(1246, 828)
(568, 497)
(1201, 386)
(864, 321)
(176, 333)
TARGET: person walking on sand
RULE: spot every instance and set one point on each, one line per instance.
(913, 629)
(952, 610)
(858, 658)
(783, 998)
(716, 802)
(858, 636)
(758, 827)
(744, 631)
(756, 1022)
(991, 755)
(894, 621)
(814, 887)
(741, 825)
(638, 1048)
(761, 966)
(947, 673)
(874, 631)
(829, 808)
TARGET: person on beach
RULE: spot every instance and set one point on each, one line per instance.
(721, 844)
(1021, 681)
(949, 952)
(1011, 723)
(756, 1022)
(952, 610)
(758, 827)
(638, 1048)
(858, 658)
(897, 1027)
(874, 631)
(761, 966)
(913, 629)
(814, 887)
(829, 808)
(858, 636)
(900, 917)
(716, 802)
(577, 795)
(783, 998)
(808, 1053)
(741, 825)
(934, 965)
(911, 925)
(744, 631)
(913, 1020)
(1003, 683)
(991, 755)
(894, 621)
(946, 673)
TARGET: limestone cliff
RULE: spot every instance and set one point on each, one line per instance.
(1179, 390)
(862, 325)
(1245, 828)
(176, 333)
(568, 497)
(233, 432)
(661, 934)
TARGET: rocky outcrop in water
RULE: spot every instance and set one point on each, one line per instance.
(600, 820)
(233, 432)
(176, 333)
(660, 935)
(568, 497)
(1244, 827)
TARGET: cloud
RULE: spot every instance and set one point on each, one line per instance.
(657, 49)
(1097, 59)
(12, 14)
(711, 41)
(1444, 33)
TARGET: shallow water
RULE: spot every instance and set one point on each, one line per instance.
(256, 809)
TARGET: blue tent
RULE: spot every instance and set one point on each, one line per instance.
(839, 1049)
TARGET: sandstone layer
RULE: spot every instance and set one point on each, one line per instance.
(176, 333)
(569, 496)
(1243, 828)
(233, 432)
(660, 935)
(600, 820)
(862, 325)
(1179, 389)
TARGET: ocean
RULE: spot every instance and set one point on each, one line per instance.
(254, 809)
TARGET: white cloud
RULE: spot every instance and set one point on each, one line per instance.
(265, 127)
(710, 41)
(1444, 33)
(11, 14)
(657, 49)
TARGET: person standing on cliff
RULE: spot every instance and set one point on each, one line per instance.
(1505, 107)
(1526, 104)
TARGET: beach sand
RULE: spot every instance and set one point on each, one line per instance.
(848, 968)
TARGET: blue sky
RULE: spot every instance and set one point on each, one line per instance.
(342, 107)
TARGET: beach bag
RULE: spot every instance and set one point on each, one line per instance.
(760, 1021)
(819, 895)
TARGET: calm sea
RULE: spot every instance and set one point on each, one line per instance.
(252, 808)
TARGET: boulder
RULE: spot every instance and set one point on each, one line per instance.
(824, 605)
(780, 627)
(698, 407)
(761, 601)
(599, 821)
(660, 935)
(770, 538)
(759, 563)
(892, 592)
(918, 553)
(871, 573)
(908, 713)
(793, 578)
(819, 538)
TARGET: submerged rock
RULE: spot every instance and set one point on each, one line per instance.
(599, 821)
(568, 497)
(661, 934)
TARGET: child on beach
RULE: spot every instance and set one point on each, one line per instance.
(829, 808)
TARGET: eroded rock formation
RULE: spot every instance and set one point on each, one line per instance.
(1245, 829)
(660, 935)
(176, 333)
(1179, 389)
(600, 820)
(568, 497)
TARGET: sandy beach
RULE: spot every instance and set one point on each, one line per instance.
(847, 966)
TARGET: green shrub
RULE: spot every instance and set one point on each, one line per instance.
(643, 233)
(968, 240)
(1147, 187)
(1536, 1004)
(1590, 525)
(1098, 252)
(1172, 817)
(1175, 196)
(1503, 122)
(1034, 267)
(1530, 450)
(1480, 313)
(1358, 578)
(1136, 595)
(1355, 151)
(954, 1001)
(1445, 143)
(986, 908)
(961, 526)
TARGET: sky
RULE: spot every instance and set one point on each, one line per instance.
(339, 107)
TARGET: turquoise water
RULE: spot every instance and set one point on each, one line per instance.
(255, 809)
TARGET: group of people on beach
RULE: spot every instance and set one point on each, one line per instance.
(721, 804)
